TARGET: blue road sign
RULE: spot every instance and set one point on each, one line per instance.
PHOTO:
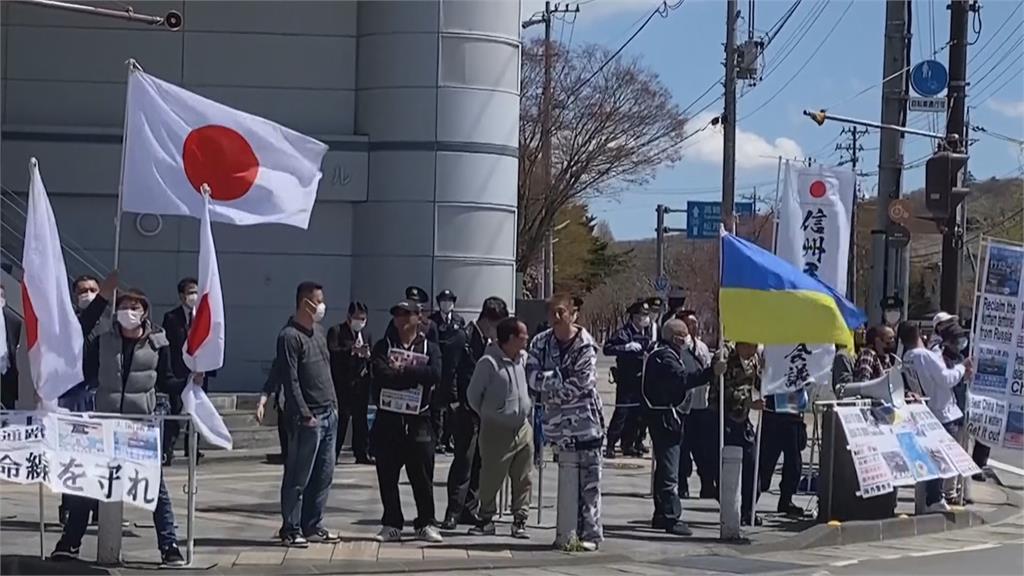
(661, 284)
(929, 78)
(704, 218)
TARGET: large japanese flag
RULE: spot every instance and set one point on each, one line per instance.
(53, 335)
(203, 350)
(175, 141)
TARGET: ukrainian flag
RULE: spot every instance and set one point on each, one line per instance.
(764, 299)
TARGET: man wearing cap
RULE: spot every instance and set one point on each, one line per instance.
(628, 346)
(451, 332)
(464, 474)
(406, 368)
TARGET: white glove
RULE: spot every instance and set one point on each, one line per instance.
(634, 347)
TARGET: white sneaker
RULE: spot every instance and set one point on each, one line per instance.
(940, 506)
(588, 546)
(388, 534)
(429, 533)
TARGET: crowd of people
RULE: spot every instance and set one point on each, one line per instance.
(491, 395)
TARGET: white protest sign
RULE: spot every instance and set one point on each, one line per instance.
(996, 414)
(403, 401)
(813, 233)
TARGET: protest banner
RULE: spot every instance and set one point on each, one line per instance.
(102, 459)
(813, 233)
(403, 401)
(996, 415)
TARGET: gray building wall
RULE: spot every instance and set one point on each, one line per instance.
(417, 100)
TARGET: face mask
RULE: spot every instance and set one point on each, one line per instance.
(130, 319)
(643, 321)
(86, 298)
(358, 325)
(191, 300)
(321, 311)
(688, 343)
(892, 317)
(447, 306)
(961, 343)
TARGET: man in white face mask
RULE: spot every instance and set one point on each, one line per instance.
(176, 325)
(628, 346)
(350, 343)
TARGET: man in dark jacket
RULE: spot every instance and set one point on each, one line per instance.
(464, 474)
(672, 372)
(628, 345)
(406, 369)
(134, 361)
(418, 296)
(9, 363)
(350, 343)
(451, 332)
(176, 325)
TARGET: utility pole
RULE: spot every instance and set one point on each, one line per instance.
(956, 139)
(659, 245)
(729, 119)
(852, 151)
(547, 281)
(890, 267)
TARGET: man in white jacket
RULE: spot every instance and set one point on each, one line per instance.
(928, 369)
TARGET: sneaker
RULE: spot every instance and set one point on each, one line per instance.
(938, 507)
(365, 461)
(745, 520)
(609, 454)
(791, 510)
(388, 534)
(588, 546)
(324, 536)
(172, 557)
(485, 529)
(680, 528)
(429, 533)
(295, 541)
(519, 530)
(63, 552)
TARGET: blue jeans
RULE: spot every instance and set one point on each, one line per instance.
(163, 519)
(933, 488)
(308, 473)
(81, 398)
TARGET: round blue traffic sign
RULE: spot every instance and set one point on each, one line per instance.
(929, 78)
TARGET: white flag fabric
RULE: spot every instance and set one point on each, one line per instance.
(259, 172)
(815, 215)
(203, 350)
(53, 335)
(5, 359)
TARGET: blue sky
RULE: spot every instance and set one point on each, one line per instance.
(685, 49)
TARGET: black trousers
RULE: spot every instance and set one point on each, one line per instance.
(980, 454)
(667, 447)
(699, 434)
(172, 428)
(626, 419)
(405, 441)
(739, 434)
(782, 435)
(352, 406)
(464, 475)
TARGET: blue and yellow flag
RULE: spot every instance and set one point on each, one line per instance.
(764, 299)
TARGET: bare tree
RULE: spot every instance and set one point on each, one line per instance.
(613, 131)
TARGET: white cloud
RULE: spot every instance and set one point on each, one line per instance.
(752, 150)
(1014, 109)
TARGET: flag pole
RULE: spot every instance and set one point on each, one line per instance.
(132, 67)
(721, 385)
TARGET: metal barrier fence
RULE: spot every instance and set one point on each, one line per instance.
(108, 547)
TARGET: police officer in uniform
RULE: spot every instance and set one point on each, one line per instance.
(451, 332)
(628, 345)
(671, 373)
(742, 376)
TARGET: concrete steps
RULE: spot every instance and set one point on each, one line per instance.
(239, 413)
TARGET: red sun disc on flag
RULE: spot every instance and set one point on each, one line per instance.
(201, 325)
(31, 320)
(818, 189)
(221, 158)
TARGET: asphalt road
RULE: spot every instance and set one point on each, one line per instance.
(976, 560)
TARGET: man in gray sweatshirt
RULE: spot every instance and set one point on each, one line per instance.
(499, 394)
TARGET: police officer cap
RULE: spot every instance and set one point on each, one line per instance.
(417, 295)
(639, 307)
(655, 302)
(446, 295)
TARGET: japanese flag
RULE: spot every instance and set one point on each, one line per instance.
(52, 332)
(175, 141)
(203, 350)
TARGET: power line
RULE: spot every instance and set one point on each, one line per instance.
(796, 38)
(992, 93)
(994, 34)
(1010, 36)
(1004, 60)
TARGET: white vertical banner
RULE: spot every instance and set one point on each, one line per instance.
(815, 214)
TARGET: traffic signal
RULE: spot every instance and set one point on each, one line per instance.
(942, 183)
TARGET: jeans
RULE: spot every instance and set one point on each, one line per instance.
(402, 440)
(933, 488)
(667, 507)
(308, 473)
(163, 520)
(785, 435)
(464, 474)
